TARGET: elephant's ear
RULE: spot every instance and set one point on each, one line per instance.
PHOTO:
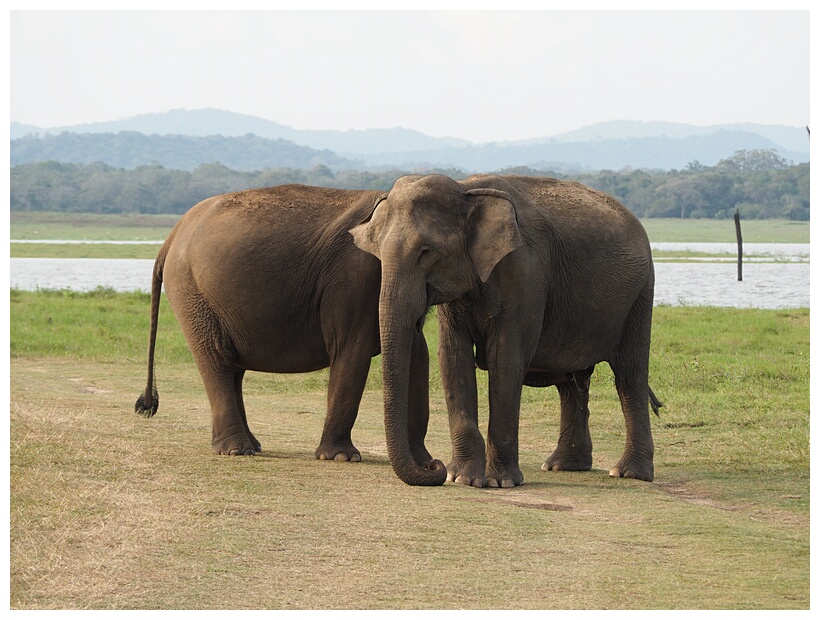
(494, 229)
(366, 235)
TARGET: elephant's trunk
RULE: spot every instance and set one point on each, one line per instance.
(399, 318)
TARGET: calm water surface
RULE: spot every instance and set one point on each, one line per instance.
(766, 284)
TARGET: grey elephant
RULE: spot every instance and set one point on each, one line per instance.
(536, 278)
(269, 280)
(574, 449)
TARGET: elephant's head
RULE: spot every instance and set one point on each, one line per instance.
(436, 242)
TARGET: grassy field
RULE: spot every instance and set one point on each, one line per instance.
(723, 231)
(112, 511)
(88, 227)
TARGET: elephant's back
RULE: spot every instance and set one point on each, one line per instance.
(270, 263)
(286, 208)
(565, 205)
(284, 220)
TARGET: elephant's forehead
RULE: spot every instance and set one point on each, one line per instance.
(426, 205)
(430, 218)
(424, 197)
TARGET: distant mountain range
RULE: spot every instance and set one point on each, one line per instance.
(183, 139)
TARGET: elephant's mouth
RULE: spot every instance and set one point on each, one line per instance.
(423, 318)
(436, 296)
(431, 295)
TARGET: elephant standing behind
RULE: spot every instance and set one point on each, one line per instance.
(269, 280)
(537, 278)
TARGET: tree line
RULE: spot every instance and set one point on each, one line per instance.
(130, 149)
(759, 183)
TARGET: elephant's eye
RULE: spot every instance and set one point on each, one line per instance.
(427, 256)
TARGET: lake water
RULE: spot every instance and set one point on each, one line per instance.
(768, 281)
(752, 252)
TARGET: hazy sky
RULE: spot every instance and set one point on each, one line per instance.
(477, 75)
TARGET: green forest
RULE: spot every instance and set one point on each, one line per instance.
(759, 183)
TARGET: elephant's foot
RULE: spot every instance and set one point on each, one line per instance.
(505, 478)
(634, 466)
(468, 473)
(338, 452)
(254, 441)
(233, 441)
(563, 460)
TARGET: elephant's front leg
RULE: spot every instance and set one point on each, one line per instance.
(508, 355)
(348, 376)
(457, 365)
(574, 450)
(502, 433)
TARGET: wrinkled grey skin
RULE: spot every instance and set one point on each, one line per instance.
(536, 277)
(269, 280)
(574, 449)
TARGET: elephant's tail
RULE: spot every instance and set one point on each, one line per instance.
(148, 402)
(656, 404)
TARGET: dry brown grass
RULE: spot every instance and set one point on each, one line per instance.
(112, 511)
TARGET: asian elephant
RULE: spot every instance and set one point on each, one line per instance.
(536, 278)
(574, 449)
(269, 280)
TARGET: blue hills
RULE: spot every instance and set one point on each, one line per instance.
(185, 139)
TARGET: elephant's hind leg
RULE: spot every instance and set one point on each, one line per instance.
(638, 457)
(574, 450)
(229, 434)
(213, 352)
(630, 366)
(238, 377)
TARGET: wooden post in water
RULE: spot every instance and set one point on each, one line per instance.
(739, 247)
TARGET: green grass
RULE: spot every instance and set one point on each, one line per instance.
(90, 226)
(109, 510)
(103, 325)
(723, 231)
(84, 250)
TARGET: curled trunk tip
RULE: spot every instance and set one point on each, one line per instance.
(434, 474)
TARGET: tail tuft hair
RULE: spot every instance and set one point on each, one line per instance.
(655, 403)
(147, 411)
